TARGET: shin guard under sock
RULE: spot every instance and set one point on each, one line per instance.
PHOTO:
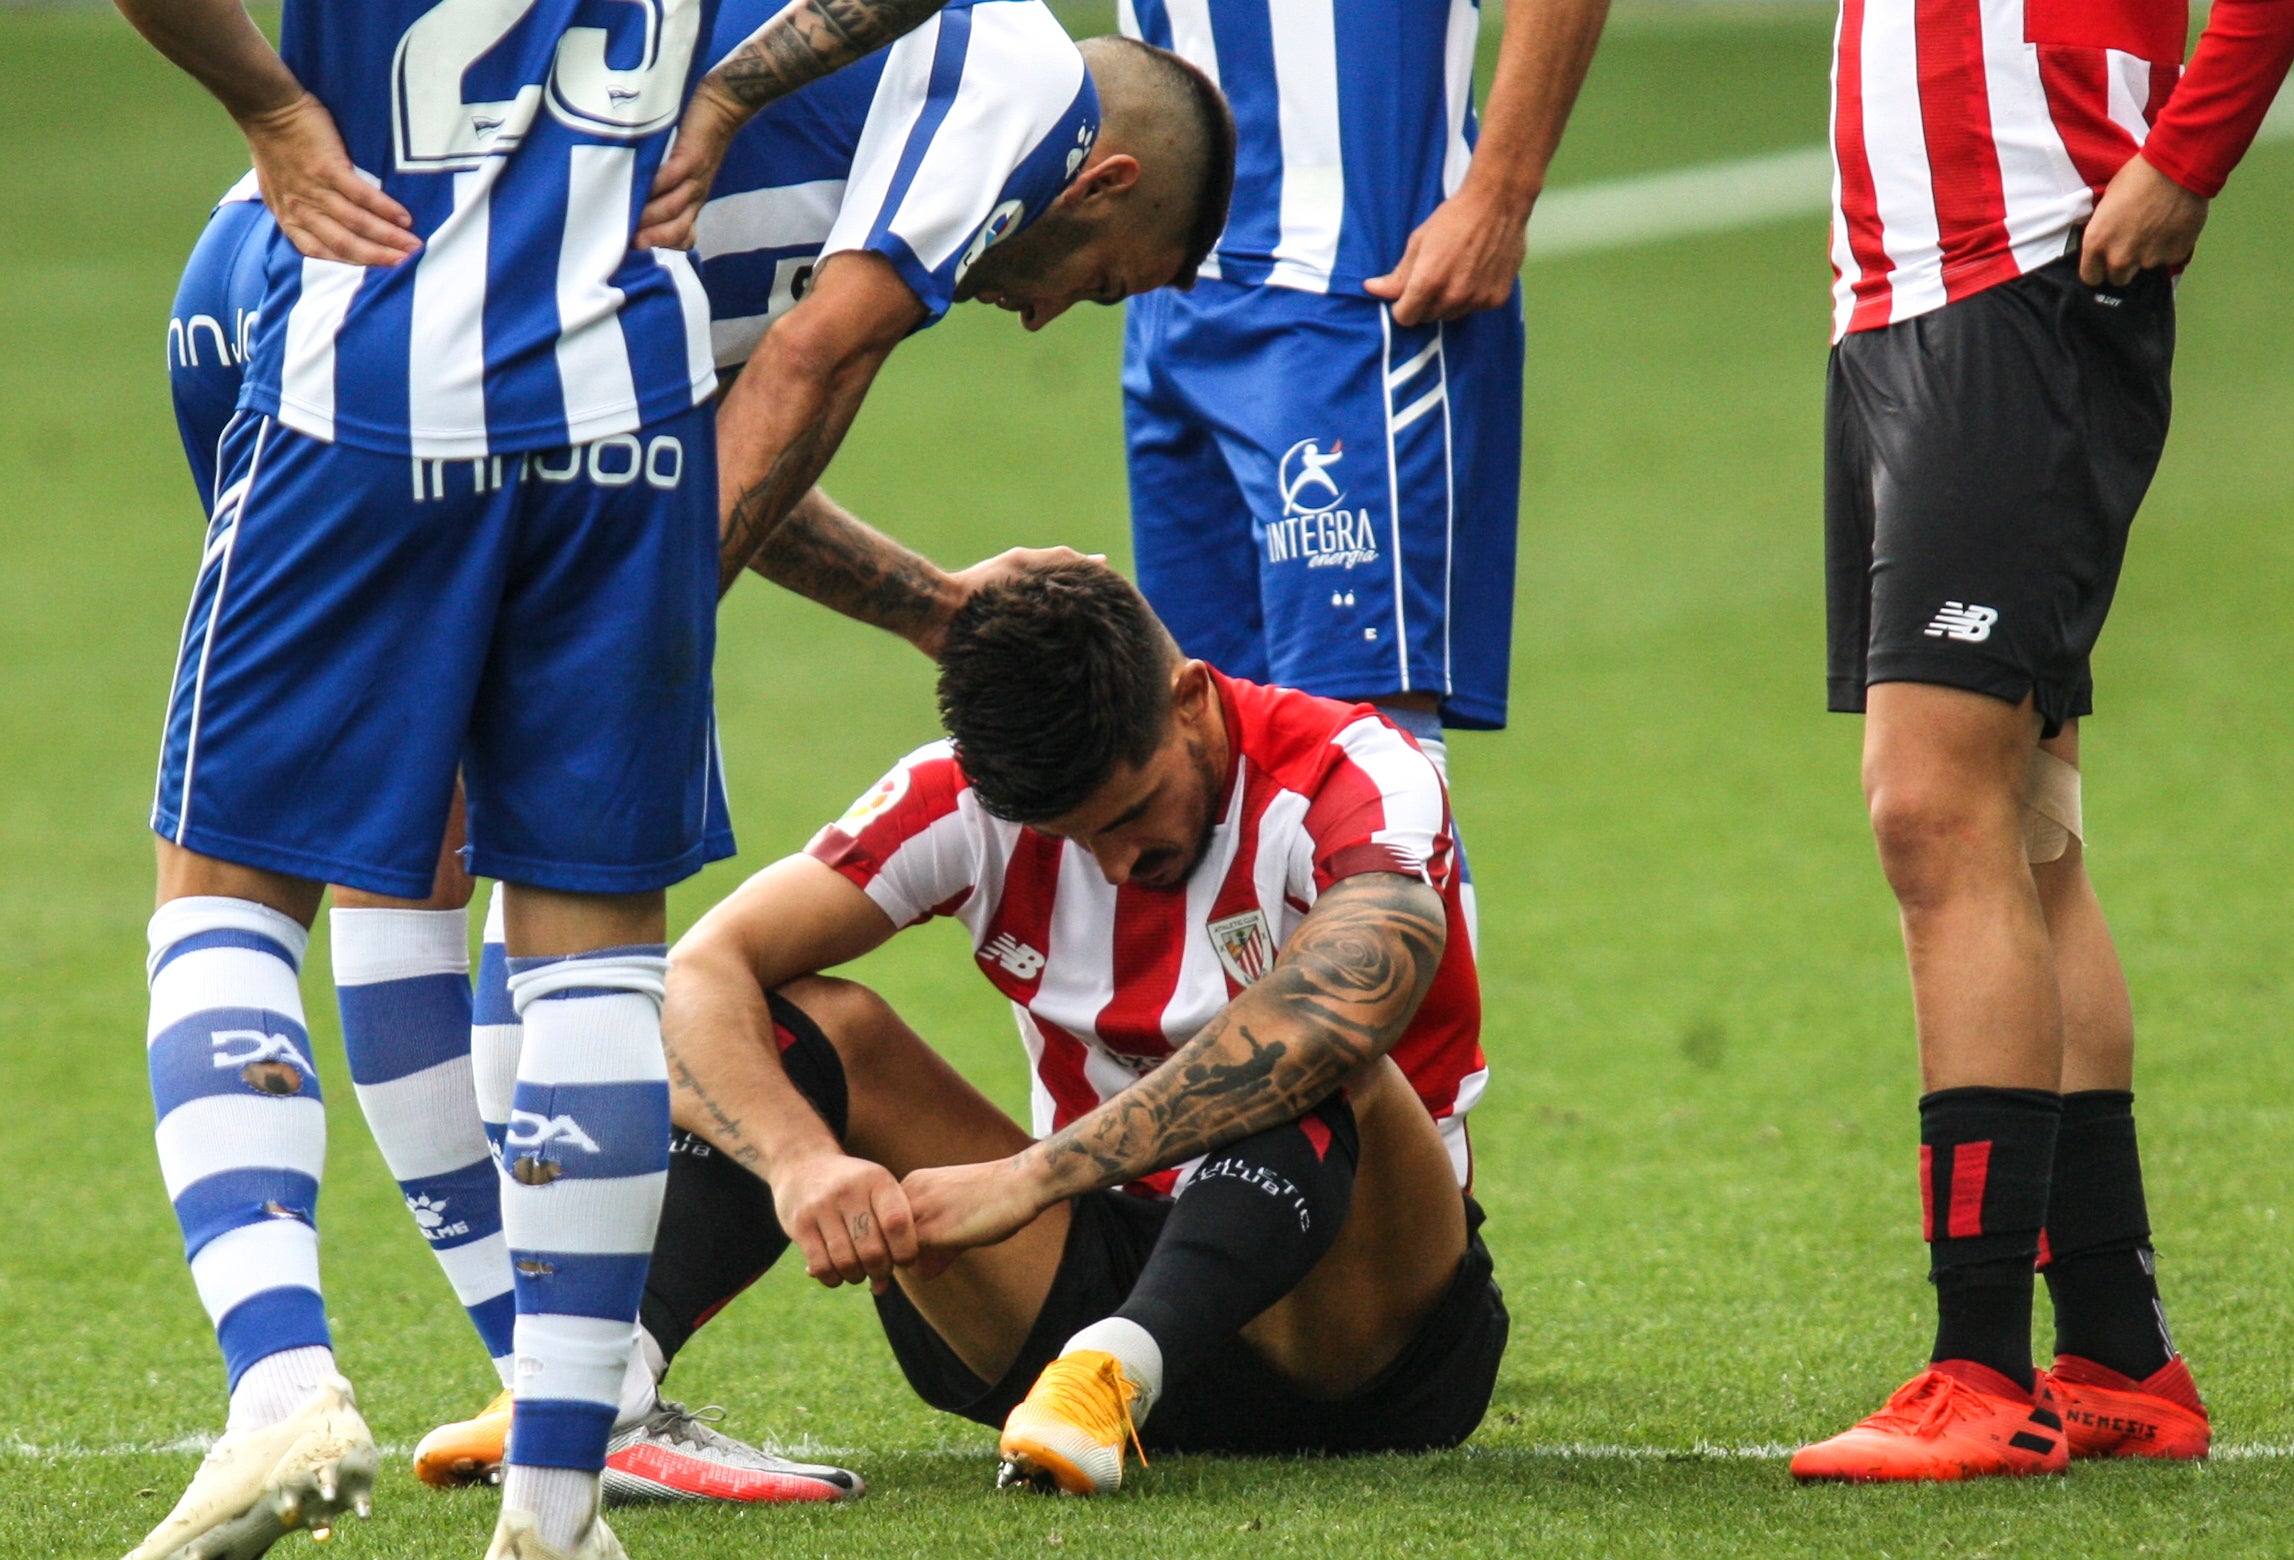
(2098, 1263)
(1247, 1227)
(1985, 1159)
(718, 1233)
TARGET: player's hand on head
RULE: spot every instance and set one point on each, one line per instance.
(681, 185)
(1464, 258)
(2144, 222)
(849, 1217)
(327, 208)
(1008, 564)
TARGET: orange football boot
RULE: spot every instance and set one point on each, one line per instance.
(1954, 1420)
(2110, 1415)
(469, 1451)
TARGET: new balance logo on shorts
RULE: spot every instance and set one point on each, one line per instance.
(1968, 624)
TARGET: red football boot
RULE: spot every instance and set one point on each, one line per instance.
(1954, 1420)
(2110, 1415)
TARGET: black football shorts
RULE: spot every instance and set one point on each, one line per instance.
(1431, 1397)
(1982, 468)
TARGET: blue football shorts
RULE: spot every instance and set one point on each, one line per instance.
(208, 331)
(1323, 498)
(363, 626)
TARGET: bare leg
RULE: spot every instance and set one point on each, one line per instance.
(2098, 1018)
(909, 1109)
(1944, 775)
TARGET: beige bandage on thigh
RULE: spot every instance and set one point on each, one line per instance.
(2050, 807)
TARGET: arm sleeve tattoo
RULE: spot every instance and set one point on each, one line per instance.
(827, 555)
(1344, 990)
(809, 40)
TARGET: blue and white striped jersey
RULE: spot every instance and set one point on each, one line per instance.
(926, 152)
(523, 135)
(1355, 120)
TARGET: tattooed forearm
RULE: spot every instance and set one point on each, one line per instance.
(827, 555)
(760, 510)
(807, 41)
(1342, 993)
(724, 1130)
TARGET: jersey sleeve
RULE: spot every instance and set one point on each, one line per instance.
(1380, 808)
(2212, 115)
(980, 119)
(907, 843)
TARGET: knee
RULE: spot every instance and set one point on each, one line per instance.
(854, 1018)
(1936, 834)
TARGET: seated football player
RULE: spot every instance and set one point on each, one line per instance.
(1228, 920)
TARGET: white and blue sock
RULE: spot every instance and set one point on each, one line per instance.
(402, 980)
(495, 1033)
(242, 1139)
(586, 1157)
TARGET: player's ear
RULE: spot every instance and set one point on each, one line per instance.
(1108, 177)
(1191, 689)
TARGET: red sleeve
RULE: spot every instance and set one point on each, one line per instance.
(902, 843)
(2233, 78)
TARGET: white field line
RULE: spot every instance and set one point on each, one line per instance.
(16, 1447)
(1718, 197)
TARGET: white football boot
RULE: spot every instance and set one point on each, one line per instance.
(257, 1486)
(678, 1454)
(517, 1537)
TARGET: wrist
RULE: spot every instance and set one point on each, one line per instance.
(1038, 1172)
(269, 112)
(1500, 192)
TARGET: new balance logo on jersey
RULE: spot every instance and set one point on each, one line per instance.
(530, 1138)
(1968, 624)
(1017, 958)
(268, 1062)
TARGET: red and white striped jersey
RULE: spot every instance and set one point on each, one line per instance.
(1969, 137)
(1107, 981)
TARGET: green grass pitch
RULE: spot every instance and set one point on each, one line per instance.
(1697, 1151)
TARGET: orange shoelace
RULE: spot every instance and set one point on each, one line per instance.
(1090, 1390)
(1925, 1405)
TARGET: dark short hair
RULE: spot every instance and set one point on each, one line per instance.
(1210, 127)
(1216, 122)
(1050, 682)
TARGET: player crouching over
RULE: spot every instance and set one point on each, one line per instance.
(1228, 920)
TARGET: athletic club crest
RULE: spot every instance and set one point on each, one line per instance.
(1245, 946)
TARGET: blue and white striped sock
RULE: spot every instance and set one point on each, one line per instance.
(495, 1033)
(402, 979)
(587, 1155)
(242, 1138)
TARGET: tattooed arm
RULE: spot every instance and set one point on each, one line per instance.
(784, 418)
(726, 1082)
(1347, 985)
(797, 47)
(825, 553)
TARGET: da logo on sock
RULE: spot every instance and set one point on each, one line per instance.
(268, 1063)
(532, 1135)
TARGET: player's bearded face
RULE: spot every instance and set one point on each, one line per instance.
(1151, 824)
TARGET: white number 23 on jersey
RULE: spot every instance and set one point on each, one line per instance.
(436, 128)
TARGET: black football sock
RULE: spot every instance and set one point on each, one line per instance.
(2099, 1267)
(1985, 1158)
(718, 1234)
(1247, 1227)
